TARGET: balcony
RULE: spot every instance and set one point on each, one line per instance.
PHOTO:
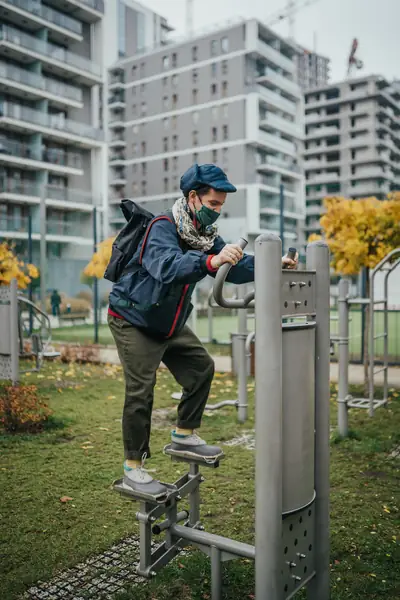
(314, 164)
(29, 85)
(276, 100)
(117, 159)
(314, 209)
(275, 143)
(371, 188)
(264, 50)
(36, 15)
(323, 178)
(118, 179)
(285, 167)
(272, 121)
(372, 172)
(56, 230)
(88, 11)
(116, 79)
(17, 117)
(18, 45)
(69, 195)
(117, 141)
(33, 157)
(319, 132)
(15, 189)
(116, 121)
(117, 101)
(289, 86)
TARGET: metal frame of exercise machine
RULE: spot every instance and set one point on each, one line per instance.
(291, 548)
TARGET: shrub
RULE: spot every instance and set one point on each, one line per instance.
(85, 295)
(21, 409)
(78, 305)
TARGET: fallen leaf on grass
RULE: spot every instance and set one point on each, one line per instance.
(87, 447)
(111, 397)
(103, 429)
(65, 499)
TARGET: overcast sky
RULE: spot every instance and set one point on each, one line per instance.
(334, 23)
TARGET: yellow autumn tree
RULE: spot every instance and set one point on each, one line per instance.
(99, 260)
(12, 267)
(359, 234)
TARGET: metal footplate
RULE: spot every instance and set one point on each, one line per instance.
(131, 494)
(180, 456)
(364, 403)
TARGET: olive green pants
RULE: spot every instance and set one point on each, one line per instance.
(140, 356)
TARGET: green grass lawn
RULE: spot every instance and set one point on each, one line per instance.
(40, 535)
(223, 326)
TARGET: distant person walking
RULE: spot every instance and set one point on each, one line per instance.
(55, 301)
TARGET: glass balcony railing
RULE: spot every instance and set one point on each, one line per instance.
(52, 121)
(14, 224)
(68, 195)
(41, 83)
(55, 156)
(65, 228)
(48, 50)
(16, 186)
(36, 8)
(280, 162)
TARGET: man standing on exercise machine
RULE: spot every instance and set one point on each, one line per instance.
(149, 307)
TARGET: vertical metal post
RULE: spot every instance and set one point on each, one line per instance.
(281, 214)
(216, 574)
(30, 261)
(242, 362)
(145, 538)
(386, 339)
(194, 497)
(268, 417)
(371, 344)
(210, 318)
(318, 260)
(362, 308)
(343, 387)
(14, 348)
(43, 252)
(95, 282)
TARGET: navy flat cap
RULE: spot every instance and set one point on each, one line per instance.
(200, 175)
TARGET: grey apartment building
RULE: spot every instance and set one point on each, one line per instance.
(53, 67)
(229, 97)
(352, 145)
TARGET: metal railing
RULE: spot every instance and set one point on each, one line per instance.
(52, 121)
(38, 82)
(68, 194)
(280, 162)
(48, 50)
(23, 188)
(38, 9)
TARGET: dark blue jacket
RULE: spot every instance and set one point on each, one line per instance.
(155, 294)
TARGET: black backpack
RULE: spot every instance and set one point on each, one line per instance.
(127, 241)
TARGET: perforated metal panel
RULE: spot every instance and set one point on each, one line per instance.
(298, 538)
(5, 313)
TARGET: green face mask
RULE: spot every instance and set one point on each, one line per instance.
(206, 216)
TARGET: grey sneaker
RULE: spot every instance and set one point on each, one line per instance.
(193, 445)
(139, 480)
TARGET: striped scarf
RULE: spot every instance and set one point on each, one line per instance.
(202, 239)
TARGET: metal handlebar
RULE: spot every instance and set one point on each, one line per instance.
(220, 279)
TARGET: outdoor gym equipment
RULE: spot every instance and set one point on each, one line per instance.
(22, 320)
(345, 401)
(291, 548)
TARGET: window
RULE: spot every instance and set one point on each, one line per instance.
(166, 184)
(194, 96)
(225, 111)
(175, 163)
(174, 100)
(165, 62)
(214, 70)
(224, 89)
(142, 69)
(175, 185)
(165, 144)
(174, 122)
(134, 71)
(143, 148)
(133, 92)
(174, 60)
(165, 81)
(134, 187)
(175, 142)
(214, 134)
(224, 67)
(134, 169)
(195, 157)
(213, 89)
(225, 157)
(134, 109)
(144, 108)
(195, 75)
(135, 129)
(195, 117)
(225, 132)
(195, 136)
(166, 164)
(144, 188)
(166, 123)
(134, 149)
(214, 156)
(144, 169)
(224, 45)
(214, 112)
(214, 47)
(165, 102)
(194, 53)
(175, 80)
(142, 88)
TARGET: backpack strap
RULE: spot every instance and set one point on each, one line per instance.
(159, 218)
